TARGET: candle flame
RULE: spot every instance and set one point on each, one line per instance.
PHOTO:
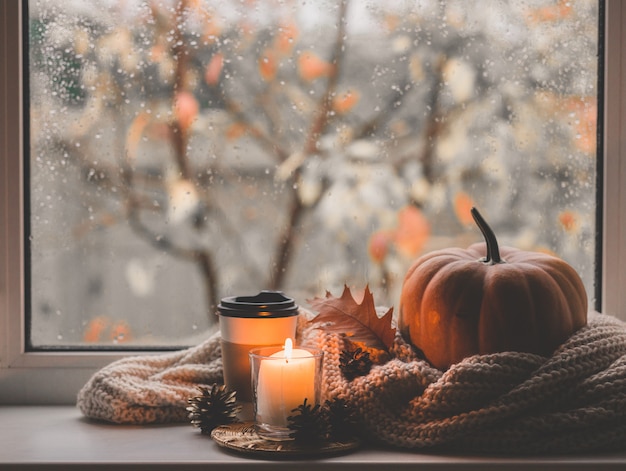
(288, 348)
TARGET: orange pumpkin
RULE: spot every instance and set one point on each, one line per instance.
(460, 302)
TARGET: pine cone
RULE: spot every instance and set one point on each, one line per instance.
(354, 363)
(308, 425)
(216, 406)
(341, 419)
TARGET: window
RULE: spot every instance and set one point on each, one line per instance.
(296, 147)
(19, 361)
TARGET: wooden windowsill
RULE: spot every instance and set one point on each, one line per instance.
(58, 437)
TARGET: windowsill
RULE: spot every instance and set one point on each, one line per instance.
(47, 437)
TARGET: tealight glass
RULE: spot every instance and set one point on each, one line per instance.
(280, 385)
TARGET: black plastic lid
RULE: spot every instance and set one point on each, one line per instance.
(264, 304)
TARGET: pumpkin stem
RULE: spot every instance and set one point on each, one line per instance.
(493, 252)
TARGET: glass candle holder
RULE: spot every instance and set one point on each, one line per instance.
(247, 322)
(282, 378)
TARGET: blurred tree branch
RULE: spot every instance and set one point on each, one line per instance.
(287, 239)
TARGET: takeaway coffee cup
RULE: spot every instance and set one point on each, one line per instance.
(248, 322)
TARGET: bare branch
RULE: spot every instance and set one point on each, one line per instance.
(268, 143)
(320, 121)
(201, 257)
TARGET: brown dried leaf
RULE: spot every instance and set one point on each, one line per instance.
(359, 322)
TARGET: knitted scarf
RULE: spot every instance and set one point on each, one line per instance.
(511, 402)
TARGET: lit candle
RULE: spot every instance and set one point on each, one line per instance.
(286, 378)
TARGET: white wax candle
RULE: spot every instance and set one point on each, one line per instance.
(286, 378)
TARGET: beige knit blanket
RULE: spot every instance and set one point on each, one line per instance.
(572, 402)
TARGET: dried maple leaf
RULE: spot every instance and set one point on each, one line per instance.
(359, 322)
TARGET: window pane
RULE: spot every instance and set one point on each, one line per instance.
(183, 151)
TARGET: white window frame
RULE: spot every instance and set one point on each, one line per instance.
(55, 377)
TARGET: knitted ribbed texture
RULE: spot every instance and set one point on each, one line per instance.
(574, 401)
(151, 389)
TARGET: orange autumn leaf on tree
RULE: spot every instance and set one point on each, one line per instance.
(186, 109)
(135, 133)
(409, 236)
(311, 66)
(378, 245)
(586, 139)
(569, 220)
(391, 22)
(95, 329)
(359, 323)
(412, 232)
(463, 204)
(268, 65)
(120, 332)
(344, 102)
(286, 38)
(235, 131)
(551, 13)
(214, 69)
(156, 53)
(585, 116)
